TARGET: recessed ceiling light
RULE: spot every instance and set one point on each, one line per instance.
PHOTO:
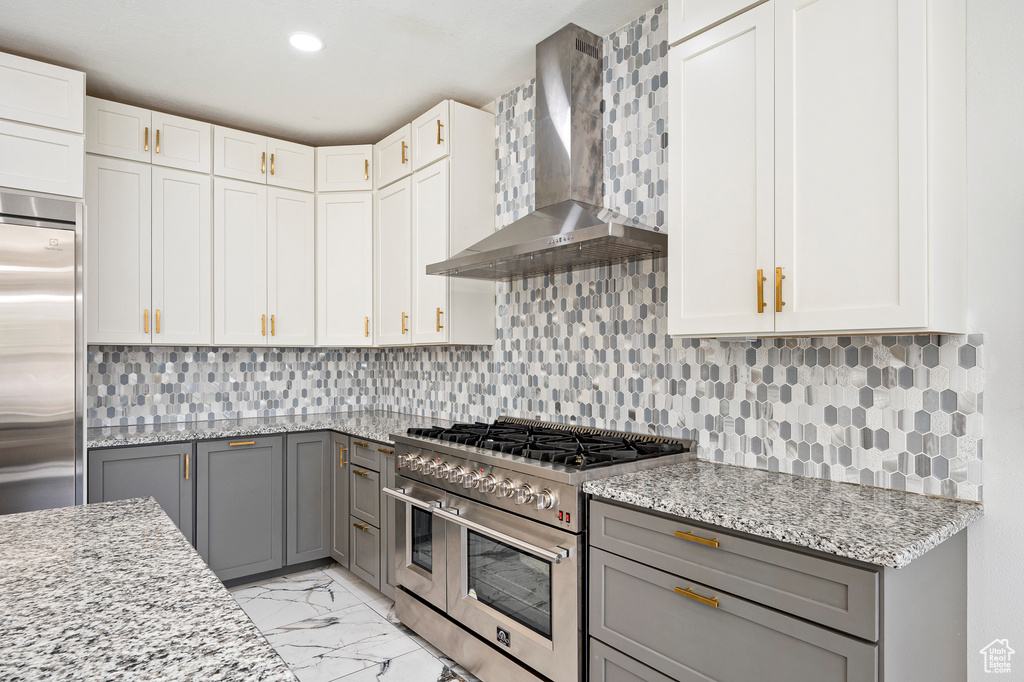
(306, 42)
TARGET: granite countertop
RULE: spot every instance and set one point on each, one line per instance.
(377, 425)
(878, 526)
(113, 591)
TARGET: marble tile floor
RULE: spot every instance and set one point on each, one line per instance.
(327, 624)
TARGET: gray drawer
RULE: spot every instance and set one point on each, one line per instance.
(365, 454)
(365, 553)
(828, 592)
(364, 493)
(641, 612)
(609, 665)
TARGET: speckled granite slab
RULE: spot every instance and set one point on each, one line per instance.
(113, 591)
(874, 525)
(375, 425)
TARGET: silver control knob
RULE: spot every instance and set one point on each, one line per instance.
(506, 488)
(488, 484)
(524, 494)
(456, 475)
(406, 460)
(471, 480)
(442, 469)
(545, 500)
(426, 466)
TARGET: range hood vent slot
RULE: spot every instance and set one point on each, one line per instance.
(587, 49)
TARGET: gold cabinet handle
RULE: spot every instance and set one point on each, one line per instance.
(273, 331)
(688, 592)
(761, 279)
(186, 466)
(362, 445)
(366, 169)
(439, 325)
(367, 327)
(404, 159)
(778, 290)
(263, 326)
(146, 323)
(263, 162)
(157, 150)
(157, 320)
(357, 472)
(341, 456)
(361, 526)
(405, 329)
(242, 442)
(385, 451)
(271, 164)
(696, 538)
(440, 140)
(145, 143)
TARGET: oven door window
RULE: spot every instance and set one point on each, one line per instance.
(510, 581)
(422, 538)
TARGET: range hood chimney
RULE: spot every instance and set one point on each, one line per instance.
(569, 227)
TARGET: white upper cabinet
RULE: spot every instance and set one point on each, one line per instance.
(117, 252)
(392, 158)
(344, 252)
(41, 160)
(291, 268)
(41, 94)
(868, 228)
(181, 143)
(344, 169)
(430, 136)
(429, 245)
(115, 129)
(722, 204)
(392, 216)
(686, 18)
(240, 155)
(182, 257)
(255, 158)
(240, 263)
(291, 165)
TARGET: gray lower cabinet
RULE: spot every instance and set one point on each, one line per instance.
(164, 472)
(364, 555)
(609, 665)
(308, 500)
(387, 515)
(365, 495)
(240, 505)
(340, 526)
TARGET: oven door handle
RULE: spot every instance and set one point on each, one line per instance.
(552, 556)
(402, 497)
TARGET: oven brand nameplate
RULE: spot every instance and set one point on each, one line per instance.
(504, 637)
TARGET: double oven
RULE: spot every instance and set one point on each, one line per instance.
(511, 581)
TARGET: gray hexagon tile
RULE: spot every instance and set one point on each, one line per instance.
(591, 347)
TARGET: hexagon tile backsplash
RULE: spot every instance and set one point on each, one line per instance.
(591, 347)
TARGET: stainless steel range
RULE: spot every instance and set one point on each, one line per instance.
(489, 537)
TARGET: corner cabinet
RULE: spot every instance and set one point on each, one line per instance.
(818, 186)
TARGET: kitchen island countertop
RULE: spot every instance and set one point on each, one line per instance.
(376, 425)
(874, 525)
(113, 591)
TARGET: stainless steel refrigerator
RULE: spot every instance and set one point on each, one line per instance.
(42, 352)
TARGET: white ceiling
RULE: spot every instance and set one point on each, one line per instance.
(229, 62)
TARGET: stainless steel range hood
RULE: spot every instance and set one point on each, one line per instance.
(569, 229)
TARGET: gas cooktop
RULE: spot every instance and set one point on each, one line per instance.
(571, 447)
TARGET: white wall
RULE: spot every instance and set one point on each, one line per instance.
(995, 214)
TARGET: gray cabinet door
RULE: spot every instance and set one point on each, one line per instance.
(164, 472)
(365, 553)
(693, 633)
(308, 497)
(365, 491)
(340, 526)
(240, 505)
(387, 516)
(609, 665)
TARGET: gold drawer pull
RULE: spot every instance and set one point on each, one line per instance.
(263, 162)
(386, 452)
(688, 592)
(145, 329)
(186, 466)
(243, 442)
(357, 472)
(367, 327)
(361, 526)
(405, 159)
(366, 169)
(778, 290)
(362, 445)
(439, 314)
(696, 538)
(761, 305)
(271, 164)
(145, 145)
(439, 127)
(341, 456)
